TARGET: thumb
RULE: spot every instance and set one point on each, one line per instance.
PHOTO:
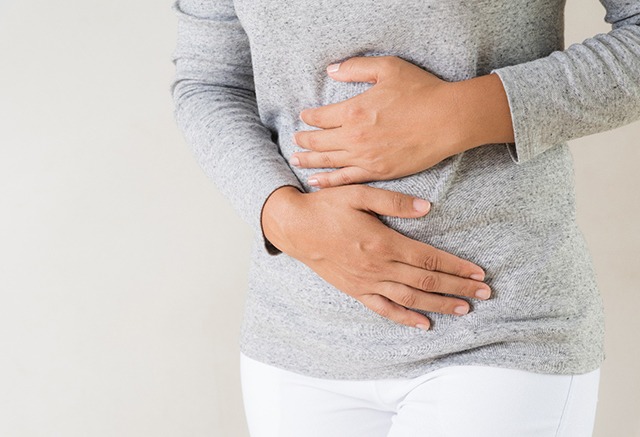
(392, 203)
(358, 69)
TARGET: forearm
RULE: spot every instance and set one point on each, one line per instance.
(216, 108)
(484, 112)
(587, 88)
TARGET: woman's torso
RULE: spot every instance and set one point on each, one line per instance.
(517, 221)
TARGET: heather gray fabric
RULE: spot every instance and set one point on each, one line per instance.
(244, 71)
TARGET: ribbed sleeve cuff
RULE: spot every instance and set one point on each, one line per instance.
(250, 170)
(269, 247)
(523, 148)
(266, 177)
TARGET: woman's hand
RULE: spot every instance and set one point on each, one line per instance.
(407, 122)
(337, 233)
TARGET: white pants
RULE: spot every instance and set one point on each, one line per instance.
(469, 401)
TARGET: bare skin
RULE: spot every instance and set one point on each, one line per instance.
(336, 231)
(337, 234)
(409, 112)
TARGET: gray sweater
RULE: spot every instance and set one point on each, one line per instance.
(245, 69)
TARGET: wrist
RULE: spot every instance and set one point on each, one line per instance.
(276, 213)
(485, 116)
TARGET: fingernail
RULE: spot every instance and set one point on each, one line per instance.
(483, 293)
(421, 205)
(478, 276)
(461, 310)
(421, 326)
(294, 161)
(313, 182)
(333, 68)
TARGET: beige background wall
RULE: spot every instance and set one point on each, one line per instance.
(122, 270)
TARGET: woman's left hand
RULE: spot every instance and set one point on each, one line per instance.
(407, 122)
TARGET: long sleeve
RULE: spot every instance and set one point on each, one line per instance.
(588, 88)
(216, 110)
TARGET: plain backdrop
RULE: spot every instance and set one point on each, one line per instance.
(123, 270)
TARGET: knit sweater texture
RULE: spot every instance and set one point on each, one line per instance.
(245, 69)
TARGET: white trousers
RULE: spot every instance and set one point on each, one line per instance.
(456, 401)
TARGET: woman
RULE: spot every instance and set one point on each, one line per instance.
(417, 269)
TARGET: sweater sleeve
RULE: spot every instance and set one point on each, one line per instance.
(588, 88)
(215, 108)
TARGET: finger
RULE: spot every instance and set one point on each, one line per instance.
(390, 203)
(320, 140)
(427, 257)
(361, 69)
(343, 176)
(327, 116)
(412, 298)
(334, 159)
(394, 312)
(438, 282)
(407, 250)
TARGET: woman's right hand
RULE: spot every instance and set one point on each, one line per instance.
(336, 232)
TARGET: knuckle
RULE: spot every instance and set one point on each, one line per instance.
(392, 65)
(468, 288)
(443, 307)
(397, 201)
(326, 160)
(388, 62)
(380, 167)
(369, 266)
(311, 141)
(382, 309)
(375, 245)
(358, 136)
(345, 178)
(357, 194)
(361, 281)
(408, 300)
(428, 282)
(431, 262)
(384, 250)
(358, 190)
(355, 113)
(377, 304)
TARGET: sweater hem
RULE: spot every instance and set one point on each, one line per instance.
(535, 364)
